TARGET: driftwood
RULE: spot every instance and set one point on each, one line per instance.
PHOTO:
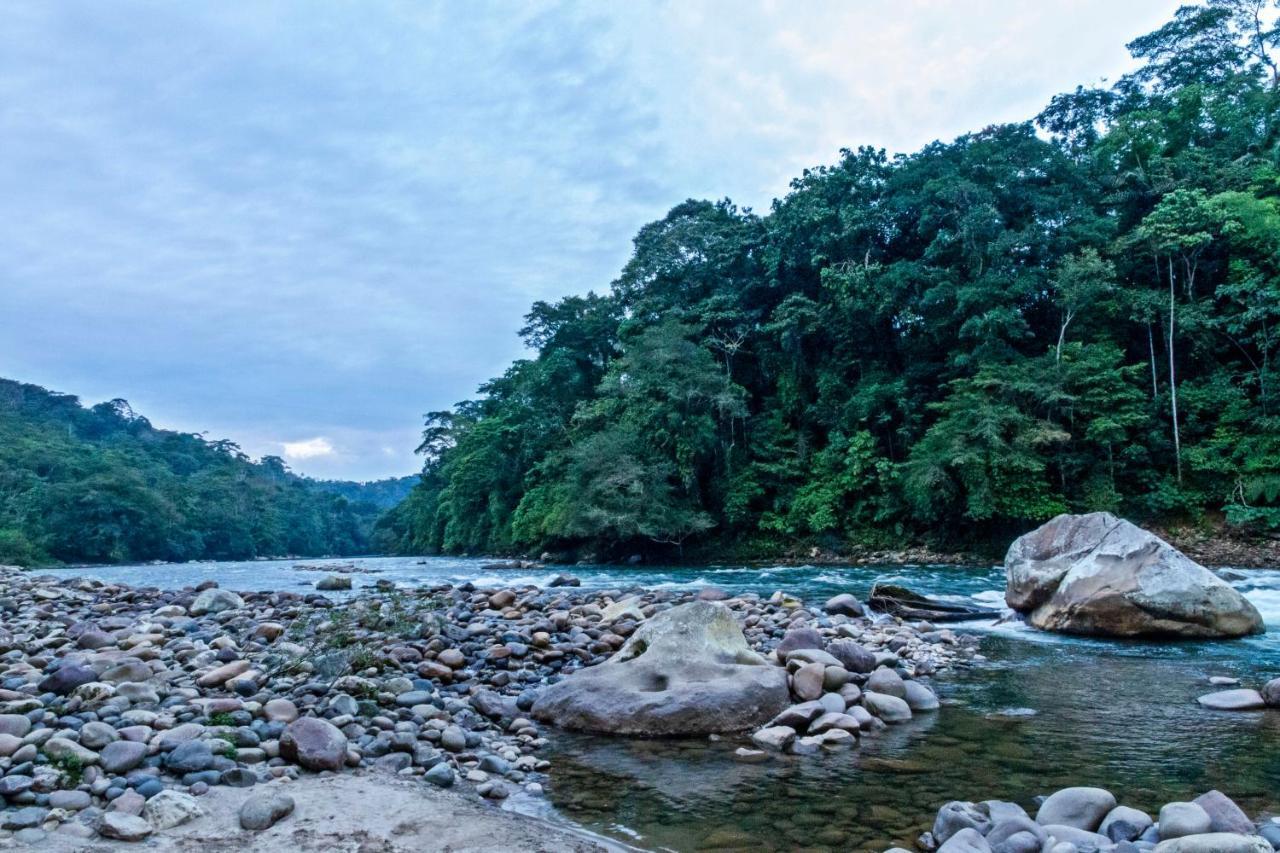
(902, 602)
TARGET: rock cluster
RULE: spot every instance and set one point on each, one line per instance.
(121, 706)
(852, 676)
(1080, 820)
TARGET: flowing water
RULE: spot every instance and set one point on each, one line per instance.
(1043, 712)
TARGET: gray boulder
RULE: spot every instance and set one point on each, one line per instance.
(853, 656)
(1081, 808)
(1224, 814)
(1215, 842)
(1242, 699)
(687, 670)
(966, 841)
(314, 744)
(919, 697)
(888, 682)
(215, 600)
(958, 815)
(1271, 693)
(1008, 829)
(334, 582)
(844, 605)
(891, 709)
(123, 827)
(800, 638)
(190, 757)
(1179, 819)
(66, 678)
(1099, 574)
(774, 737)
(1082, 839)
(264, 810)
(1125, 824)
(170, 808)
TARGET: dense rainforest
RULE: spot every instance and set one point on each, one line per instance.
(102, 485)
(1079, 312)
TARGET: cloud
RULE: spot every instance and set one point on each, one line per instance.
(256, 220)
(311, 448)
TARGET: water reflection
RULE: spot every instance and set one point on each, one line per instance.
(1106, 716)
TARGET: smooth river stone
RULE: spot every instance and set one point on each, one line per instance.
(1233, 700)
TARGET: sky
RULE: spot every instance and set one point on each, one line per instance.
(302, 225)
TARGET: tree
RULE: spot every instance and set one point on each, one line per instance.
(1180, 229)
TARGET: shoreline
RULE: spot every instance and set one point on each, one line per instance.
(118, 698)
(1212, 551)
(362, 810)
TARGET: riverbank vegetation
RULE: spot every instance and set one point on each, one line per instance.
(1079, 312)
(102, 485)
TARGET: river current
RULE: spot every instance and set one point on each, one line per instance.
(1042, 712)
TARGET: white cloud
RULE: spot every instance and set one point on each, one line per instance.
(311, 448)
(335, 215)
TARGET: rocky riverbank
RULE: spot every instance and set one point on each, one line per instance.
(1083, 820)
(121, 708)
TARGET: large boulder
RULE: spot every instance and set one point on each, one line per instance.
(1098, 574)
(1080, 808)
(687, 670)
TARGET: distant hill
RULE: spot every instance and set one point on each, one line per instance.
(383, 494)
(102, 485)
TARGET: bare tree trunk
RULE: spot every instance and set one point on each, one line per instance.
(1151, 348)
(1068, 316)
(1173, 381)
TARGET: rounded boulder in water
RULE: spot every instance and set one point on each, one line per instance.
(1080, 807)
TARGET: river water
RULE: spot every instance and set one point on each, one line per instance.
(1045, 711)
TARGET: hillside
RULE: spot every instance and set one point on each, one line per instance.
(1079, 312)
(102, 485)
(383, 494)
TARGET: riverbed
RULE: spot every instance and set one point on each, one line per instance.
(1042, 712)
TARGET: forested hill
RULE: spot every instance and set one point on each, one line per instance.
(1080, 312)
(383, 494)
(101, 485)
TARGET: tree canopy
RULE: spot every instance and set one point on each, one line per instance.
(102, 485)
(1077, 312)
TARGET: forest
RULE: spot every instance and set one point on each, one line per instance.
(102, 485)
(1077, 312)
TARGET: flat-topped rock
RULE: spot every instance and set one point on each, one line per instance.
(687, 670)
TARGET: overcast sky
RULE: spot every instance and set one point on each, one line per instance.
(302, 225)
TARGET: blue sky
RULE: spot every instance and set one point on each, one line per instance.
(301, 225)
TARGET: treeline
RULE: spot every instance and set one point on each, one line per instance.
(102, 485)
(383, 494)
(1076, 313)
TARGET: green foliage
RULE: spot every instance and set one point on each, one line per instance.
(72, 768)
(947, 345)
(102, 485)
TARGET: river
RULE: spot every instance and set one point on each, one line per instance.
(1042, 712)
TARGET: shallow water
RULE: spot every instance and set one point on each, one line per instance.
(1117, 714)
